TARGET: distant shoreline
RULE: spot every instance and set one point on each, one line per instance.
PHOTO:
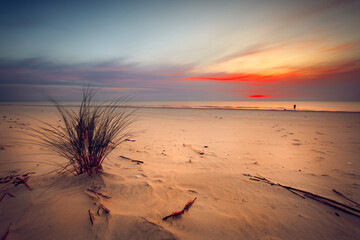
(165, 106)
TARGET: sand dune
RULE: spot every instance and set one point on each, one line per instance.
(313, 151)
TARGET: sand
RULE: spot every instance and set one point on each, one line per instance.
(313, 151)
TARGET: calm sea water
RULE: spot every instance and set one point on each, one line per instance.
(261, 105)
(249, 105)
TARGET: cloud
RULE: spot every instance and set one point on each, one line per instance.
(112, 78)
(31, 79)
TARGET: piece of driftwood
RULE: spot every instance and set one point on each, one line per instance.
(342, 195)
(133, 160)
(129, 140)
(327, 201)
(92, 217)
(6, 232)
(186, 208)
(98, 193)
(194, 149)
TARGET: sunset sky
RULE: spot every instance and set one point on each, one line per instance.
(181, 50)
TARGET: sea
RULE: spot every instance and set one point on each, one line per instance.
(326, 106)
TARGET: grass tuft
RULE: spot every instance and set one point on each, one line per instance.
(86, 137)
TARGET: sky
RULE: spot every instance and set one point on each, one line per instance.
(165, 50)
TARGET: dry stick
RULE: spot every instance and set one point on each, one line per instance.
(346, 198)
(324, 198)
(196, 150)
(98, 193)
(6, 193)
(186, 208)
(2, 197)
(133, 160)
(330, 204)
(294, 193)
(102, 207)
(7, 232)
(307, 193)
(24, 182)
(92, 197)
(11, 195)
(129, 140)
(92, 217)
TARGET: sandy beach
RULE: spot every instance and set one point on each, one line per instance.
(189, 153)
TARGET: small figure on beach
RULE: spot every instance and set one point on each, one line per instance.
(294, 106)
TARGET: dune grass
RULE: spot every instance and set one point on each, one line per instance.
(85, 137)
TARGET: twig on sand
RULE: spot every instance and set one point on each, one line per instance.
(2, 197)
(23, 181)
(186, 208)
(330, 204)
(129, 140)
(133, 160)
(92, 217)
(6, 193)
(321, 199)
(92, 197)
(342, 195)
(194, 149)
(11, 195)
(98, 193)
(7, 232)
(102, 206)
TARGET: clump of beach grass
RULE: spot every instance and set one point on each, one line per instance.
(86, 137)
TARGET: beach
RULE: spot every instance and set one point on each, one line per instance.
(207, 154)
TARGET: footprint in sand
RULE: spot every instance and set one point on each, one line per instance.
(319, 159)
(317, 151)
(296, 142)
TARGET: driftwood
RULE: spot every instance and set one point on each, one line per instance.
(92, 217)
(186, 208)
(327, 201)
(194, 149)
(129, 140)
(133, 160)
(7, 232)
(342, 195)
